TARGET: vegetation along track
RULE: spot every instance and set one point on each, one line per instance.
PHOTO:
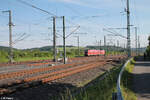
(47, 74)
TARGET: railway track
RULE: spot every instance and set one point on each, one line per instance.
(41, 62)
(23, 63)
(30, 72)
(15, 68)
(31, 77)
(44, 78)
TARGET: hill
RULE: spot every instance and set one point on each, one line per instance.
(48, 48)
(5, 48)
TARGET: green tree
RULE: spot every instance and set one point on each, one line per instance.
(148, 48)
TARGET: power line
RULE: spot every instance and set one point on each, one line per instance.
(47, 12)
(137, 21)
(21, 38)
(35, 7)
(73, 10)
(114, 33)
(81, 15)
(123, 4)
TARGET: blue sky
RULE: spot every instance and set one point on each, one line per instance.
(91, 15)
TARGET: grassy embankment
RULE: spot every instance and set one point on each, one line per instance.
(102, 89)
(127, 81)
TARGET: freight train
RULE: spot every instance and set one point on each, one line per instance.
(94, 52)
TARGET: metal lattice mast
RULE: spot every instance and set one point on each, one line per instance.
(78, 46)
(100, 42)
(118, 45)
(10, 36)
(54, 38)
(105, 43)
(128, 30)
(136, 39)
(64, 40)
(138, 45)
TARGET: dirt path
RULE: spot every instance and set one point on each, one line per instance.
(142, 80)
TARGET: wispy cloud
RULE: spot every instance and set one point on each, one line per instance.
(98, 4)
(78, 2)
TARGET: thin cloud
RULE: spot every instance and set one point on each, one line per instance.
(78, 2)
(98, 4)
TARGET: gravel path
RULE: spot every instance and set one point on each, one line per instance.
(142, 80)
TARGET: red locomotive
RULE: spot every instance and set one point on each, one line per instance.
(94, 52)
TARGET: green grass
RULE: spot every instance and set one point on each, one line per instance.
(4, 60)
(115, 53)
(32, 58)
(127, 80)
